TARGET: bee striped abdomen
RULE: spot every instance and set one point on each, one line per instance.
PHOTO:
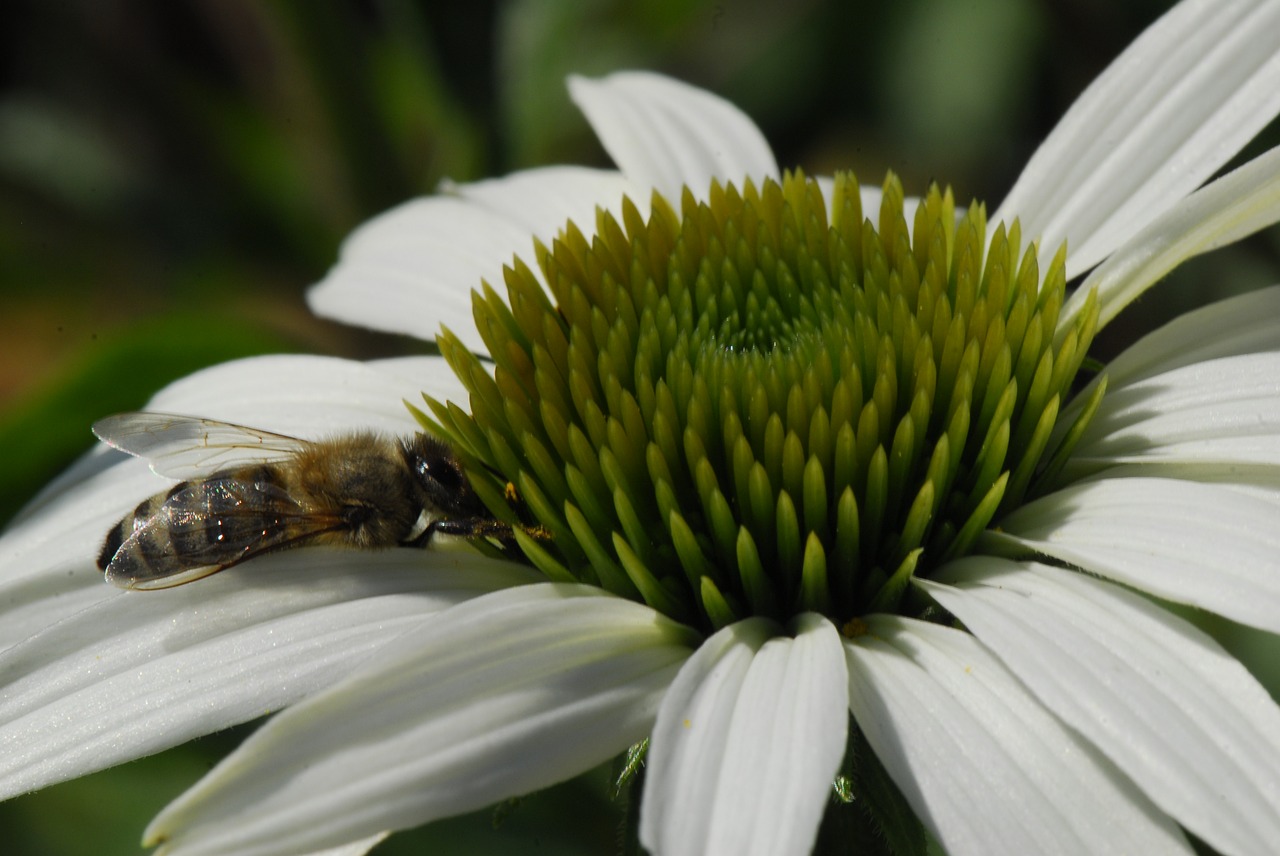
(218, 518)
(125, 528)
(211, 522)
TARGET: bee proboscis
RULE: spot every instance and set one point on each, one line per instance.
(247, 492)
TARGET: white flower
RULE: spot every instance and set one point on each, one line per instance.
(1070, 715)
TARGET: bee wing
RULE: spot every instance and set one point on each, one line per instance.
(187, 446)
(181, 543)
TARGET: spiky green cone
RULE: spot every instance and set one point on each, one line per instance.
(759, 406)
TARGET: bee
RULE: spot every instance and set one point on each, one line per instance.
(250, 492)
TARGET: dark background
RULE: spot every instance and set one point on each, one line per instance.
(173, 175)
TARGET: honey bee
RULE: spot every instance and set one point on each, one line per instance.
(250, 492)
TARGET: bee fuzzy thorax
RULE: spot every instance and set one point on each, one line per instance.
(363, 481)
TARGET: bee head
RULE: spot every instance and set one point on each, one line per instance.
(441, 478)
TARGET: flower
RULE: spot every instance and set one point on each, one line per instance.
(691, 593)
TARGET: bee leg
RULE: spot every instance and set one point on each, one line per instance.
(481, 527)
(470, 527)
(473, 527)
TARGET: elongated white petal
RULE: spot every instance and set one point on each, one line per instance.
(1258, 483)
(1199, 544)
(1232, 328)
(1240, 325)
(1168, 112)
(430, 375)
(747, 742)
(542, 200)
(140, 672)
(1224, 411)
(494, 698)
(1222, 212)
(413, 268)
(1162, 700)
(1144, 386)
(47, 557)
(665, 134)
(688, 747)
(983, 765)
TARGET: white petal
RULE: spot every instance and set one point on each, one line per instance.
(1222, 212)
(1240, 325)
(140, 672)
(1172, 109)
(1261, 484)
(1199, 544)
(983, 765)
(494, 698)
(413, 268)
(47, 558)
(688, 745)
(1224, 411)
(1237, 327)
(430, 375)
(666, 134)
(1162, 700)
(747, 742)
(541, 201)
(310, 396)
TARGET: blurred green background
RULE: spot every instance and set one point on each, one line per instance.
(173, 175)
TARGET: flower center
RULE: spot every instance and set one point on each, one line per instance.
(763, 403)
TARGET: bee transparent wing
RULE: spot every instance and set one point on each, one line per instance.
(184, 540)
(185, 447)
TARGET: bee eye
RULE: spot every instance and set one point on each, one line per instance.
(444, 473)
